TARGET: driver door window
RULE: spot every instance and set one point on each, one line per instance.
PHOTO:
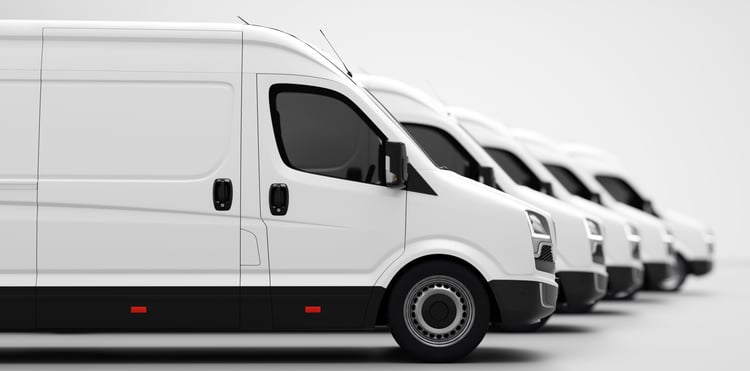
(320, 131)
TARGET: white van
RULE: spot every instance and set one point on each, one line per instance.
(693, 240)
(621, 240)
(201, 177)
(579, 254)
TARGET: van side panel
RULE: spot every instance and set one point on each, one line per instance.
(20, 58)
(136, 126)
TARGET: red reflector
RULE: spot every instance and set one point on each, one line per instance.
(312, 309)
(138, 309)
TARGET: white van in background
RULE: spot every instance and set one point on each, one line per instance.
(621, 239)
(220, 177)
(693, 240)
(578, 256)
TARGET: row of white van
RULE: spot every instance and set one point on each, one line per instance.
(219, 177)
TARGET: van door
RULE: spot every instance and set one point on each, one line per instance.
(20, 53)
(332, 225)
(139, 179)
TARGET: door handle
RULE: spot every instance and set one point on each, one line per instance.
(222, 194)
(278, 198)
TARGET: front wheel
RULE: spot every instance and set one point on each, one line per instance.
(439, 311)
(677, 276)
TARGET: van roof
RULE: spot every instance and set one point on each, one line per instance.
(464, 114)
(37, 23)
(32, 29)
(392, 86)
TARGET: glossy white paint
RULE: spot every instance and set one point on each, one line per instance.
(538, 150)
(407, 104)
(20, 56)
(135, 126)
(138, 119)
(694, 239)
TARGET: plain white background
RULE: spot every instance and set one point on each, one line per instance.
(663, 84)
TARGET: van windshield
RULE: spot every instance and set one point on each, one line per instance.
(444, 150)
(570, 181)
(621, 191)
(515, 168)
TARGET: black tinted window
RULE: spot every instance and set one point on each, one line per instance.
(515, 168)
(444, 150)
(570, 181)
(320, 131)
(621, 191)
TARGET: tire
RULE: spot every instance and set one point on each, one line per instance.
(534, 327)
(438, 311)
(675, 282)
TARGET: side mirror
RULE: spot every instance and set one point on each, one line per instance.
(487, 176)
(595, 197)
(546, 188)
(396, 163)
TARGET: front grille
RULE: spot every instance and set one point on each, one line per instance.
(598, 253)
(637, 251)
(545, 262)
(546, 254)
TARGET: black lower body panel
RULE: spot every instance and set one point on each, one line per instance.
(17, 308)
(700, 267)
(137, 308)
(624, 281)
(523, 302)
(325, 308)
(168, 309)
(581, 289)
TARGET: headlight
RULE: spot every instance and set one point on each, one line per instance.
(541, 241)
(593, 228)
(538, 224)
(632, 233)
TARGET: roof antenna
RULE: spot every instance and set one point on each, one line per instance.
(337, 54)
(243, 20)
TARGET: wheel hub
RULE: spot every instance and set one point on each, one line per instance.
(439, 311)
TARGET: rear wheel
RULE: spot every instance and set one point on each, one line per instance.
(439, 311)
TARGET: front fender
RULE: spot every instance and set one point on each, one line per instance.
(481, 260)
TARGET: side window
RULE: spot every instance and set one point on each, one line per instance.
(516, 169)
(444, 150)
(322, 132)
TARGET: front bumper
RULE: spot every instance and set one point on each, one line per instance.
(581, 289)
(656, 274)
(523, 302)
(700, 267)
(624, 281)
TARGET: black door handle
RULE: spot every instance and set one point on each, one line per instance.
(222, 194)
(278, 198)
